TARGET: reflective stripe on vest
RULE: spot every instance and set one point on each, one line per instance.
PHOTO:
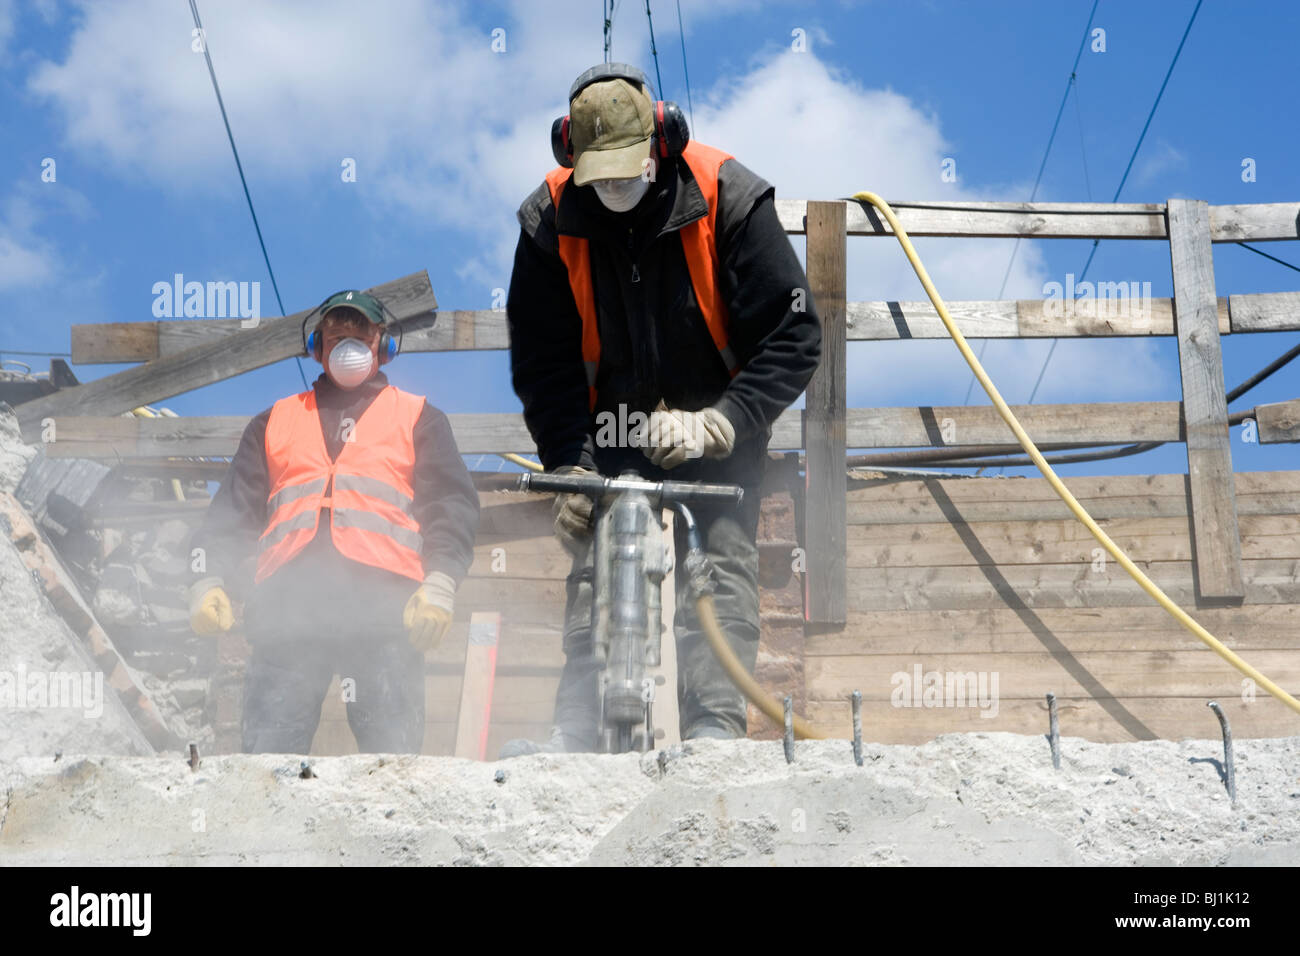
(699, 243)
(367, 489)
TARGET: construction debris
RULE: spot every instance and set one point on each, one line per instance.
(963, 799)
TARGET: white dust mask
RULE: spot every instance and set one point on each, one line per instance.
(620, 195)
(350, 363)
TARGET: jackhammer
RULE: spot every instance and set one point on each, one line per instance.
(630, 562)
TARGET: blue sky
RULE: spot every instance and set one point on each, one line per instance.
(448, 136)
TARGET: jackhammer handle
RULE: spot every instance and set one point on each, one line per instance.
(660, 492)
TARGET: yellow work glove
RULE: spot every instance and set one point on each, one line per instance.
(210, 611)
(572, 513)
(428, 611)
(673, 435)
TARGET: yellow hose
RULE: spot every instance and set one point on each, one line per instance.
(1147, 584)
(521, 461)
(741, 677)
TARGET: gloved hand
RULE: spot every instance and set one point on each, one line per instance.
(210, 611)
(674, 435)
(427, 614)
(572, 513)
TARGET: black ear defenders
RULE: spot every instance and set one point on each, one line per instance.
(671, 130)
(369, 306)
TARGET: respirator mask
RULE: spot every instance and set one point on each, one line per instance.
(620, 195)
(350, 363)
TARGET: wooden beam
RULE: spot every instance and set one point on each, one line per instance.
(1046, 220)
(270, 341)
(485, 329)
(475, 714)
(1278, 422)
(1205, 407)
(825, 600)
(1265, 312)
(109, 342)
(129, 438)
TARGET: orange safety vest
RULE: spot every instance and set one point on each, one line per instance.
(367, 489)
(699, 242)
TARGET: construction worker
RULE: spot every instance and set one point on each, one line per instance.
(652, 278)
(357, 515)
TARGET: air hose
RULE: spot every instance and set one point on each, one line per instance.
(1058, 486)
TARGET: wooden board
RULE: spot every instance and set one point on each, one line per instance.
(1205, 407)
(271, 340)
(1255, 222)
(476, 689)
(1028, 676)
(1100, 629)
(824, 420)
(1266, 581)
(1055, 542)
(1111, 313)
(1278, 422)
(1103, 721)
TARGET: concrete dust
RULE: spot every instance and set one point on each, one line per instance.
(963, 799)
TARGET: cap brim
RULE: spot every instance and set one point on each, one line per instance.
(625, 162)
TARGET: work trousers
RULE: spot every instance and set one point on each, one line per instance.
(288, 678)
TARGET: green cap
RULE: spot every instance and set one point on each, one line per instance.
(363, 302)
(611, 123)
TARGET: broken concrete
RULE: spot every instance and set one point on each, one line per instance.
(963, 799)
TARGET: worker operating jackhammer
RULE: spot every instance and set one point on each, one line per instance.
(659, 323)
(358, 516)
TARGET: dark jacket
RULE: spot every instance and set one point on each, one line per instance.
(654, 341)
(319, 587)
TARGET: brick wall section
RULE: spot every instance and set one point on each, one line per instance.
(780, 667)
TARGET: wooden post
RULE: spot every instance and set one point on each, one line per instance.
(825, 516)
(475, 715)
(1205, 407)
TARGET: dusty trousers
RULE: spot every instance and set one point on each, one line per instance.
(288, 678)
(709, 704)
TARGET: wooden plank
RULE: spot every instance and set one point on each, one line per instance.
(996, 219)
(485, 329)
(1099, 422)
(1255, 222)
(93, 436)
(476, 689)
(1054, 542)
(1278, 422)
(114, 342)
(1006, 630)
(1265, 312)
(824, 420)
(1265, 581)
(1116, 674)
(1205, 407)
(1104, 721)
(104, 342)
(271, 340)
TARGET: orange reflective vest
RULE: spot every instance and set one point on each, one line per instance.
(367, 489)
(699, 242)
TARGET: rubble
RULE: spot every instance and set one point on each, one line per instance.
(988, 799)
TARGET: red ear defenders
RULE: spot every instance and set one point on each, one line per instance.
(671, 131)
(365, 303)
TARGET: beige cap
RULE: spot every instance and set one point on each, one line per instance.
(611, 125)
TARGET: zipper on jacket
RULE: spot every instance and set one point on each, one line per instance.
(631, 253)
